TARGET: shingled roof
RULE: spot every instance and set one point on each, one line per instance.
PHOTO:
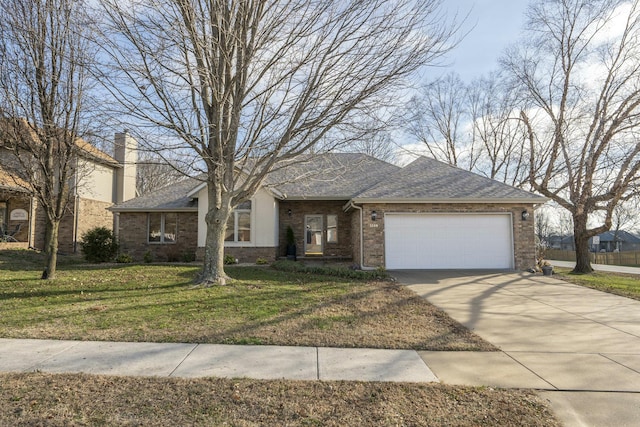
(12, 182)
(331, 176)
(357, 177)
(429, 180)
(174, 197)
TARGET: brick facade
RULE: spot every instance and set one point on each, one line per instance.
(373, 232)
(343, 248)
(132, 235)
(246, 254)
(133, 241)
(78, 218)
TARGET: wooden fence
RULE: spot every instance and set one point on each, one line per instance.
(629, 259)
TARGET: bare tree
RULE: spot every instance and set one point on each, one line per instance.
(436, 117)
(543, 230)
(625, 217)
(43, 58)
(580, 69)
(473, 126)
(153, 172)
(252, 83)
(497, 133)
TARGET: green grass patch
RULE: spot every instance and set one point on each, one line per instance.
(158, 303)
(334, 271)
(626, 285)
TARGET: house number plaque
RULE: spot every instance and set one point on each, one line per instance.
(18, 215)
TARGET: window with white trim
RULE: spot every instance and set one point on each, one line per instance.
(239, 224)
(162, 227)
(332, 228)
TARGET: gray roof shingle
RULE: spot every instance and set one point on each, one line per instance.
(337, 176)
(346, 176)
(170, 198)
(429, 180)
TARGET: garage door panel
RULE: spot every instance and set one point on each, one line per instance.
(448, 241)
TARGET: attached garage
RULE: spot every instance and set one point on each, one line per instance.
(448, 241)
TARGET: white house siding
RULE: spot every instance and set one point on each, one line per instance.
(96, 181)
(264, 220)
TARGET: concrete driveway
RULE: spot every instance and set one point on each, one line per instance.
(579, 345)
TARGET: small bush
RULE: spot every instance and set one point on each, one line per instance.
(343, 272)
(172, 255)
(188, 256)
(229, 259)
(148, 257)
(262, 261)
(99, 245)
(124, 259)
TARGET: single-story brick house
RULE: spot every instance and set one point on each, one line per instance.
(426, 215)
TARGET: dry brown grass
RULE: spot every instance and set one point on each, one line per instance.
(81, 400)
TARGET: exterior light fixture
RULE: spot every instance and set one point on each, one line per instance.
(289, 212)
(525, 215)
(374, 215)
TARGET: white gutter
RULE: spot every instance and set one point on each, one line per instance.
(362, 266)
(537, 200)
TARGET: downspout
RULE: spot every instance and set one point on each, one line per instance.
(31, 221)
(76, 206)
(75, 223)
(362, 266)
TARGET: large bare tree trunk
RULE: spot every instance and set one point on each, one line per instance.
(213, 270)
(581, 240)
(51, 249)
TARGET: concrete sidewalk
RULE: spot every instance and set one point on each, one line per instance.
(579, 345)
(202, 360)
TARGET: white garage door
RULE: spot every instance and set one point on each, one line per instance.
(448, 241)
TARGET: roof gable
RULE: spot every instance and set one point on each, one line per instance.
(174, 197)
(431, 180)
(337, 176)
(20, 128)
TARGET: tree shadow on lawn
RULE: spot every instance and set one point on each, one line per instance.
(357, 320)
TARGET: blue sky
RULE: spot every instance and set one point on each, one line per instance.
(493, 25)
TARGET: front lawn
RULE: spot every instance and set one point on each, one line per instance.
(626, 285)
(260, 305)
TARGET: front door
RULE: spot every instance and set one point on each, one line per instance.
(313, 235)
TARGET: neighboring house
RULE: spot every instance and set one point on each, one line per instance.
(564, 243)
(609, 241)
(426, 215)
(98, 182)
(615, 241)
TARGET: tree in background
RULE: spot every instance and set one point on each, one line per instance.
(470, 126)
(43, 77)
(579, 69)
(247, 85)
(436, 117)
(154, 172)
(498, 138)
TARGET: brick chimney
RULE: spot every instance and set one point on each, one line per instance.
(126, 154)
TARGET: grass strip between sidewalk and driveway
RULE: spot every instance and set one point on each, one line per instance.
(83, 400)
(626, 285)
(260, 305)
